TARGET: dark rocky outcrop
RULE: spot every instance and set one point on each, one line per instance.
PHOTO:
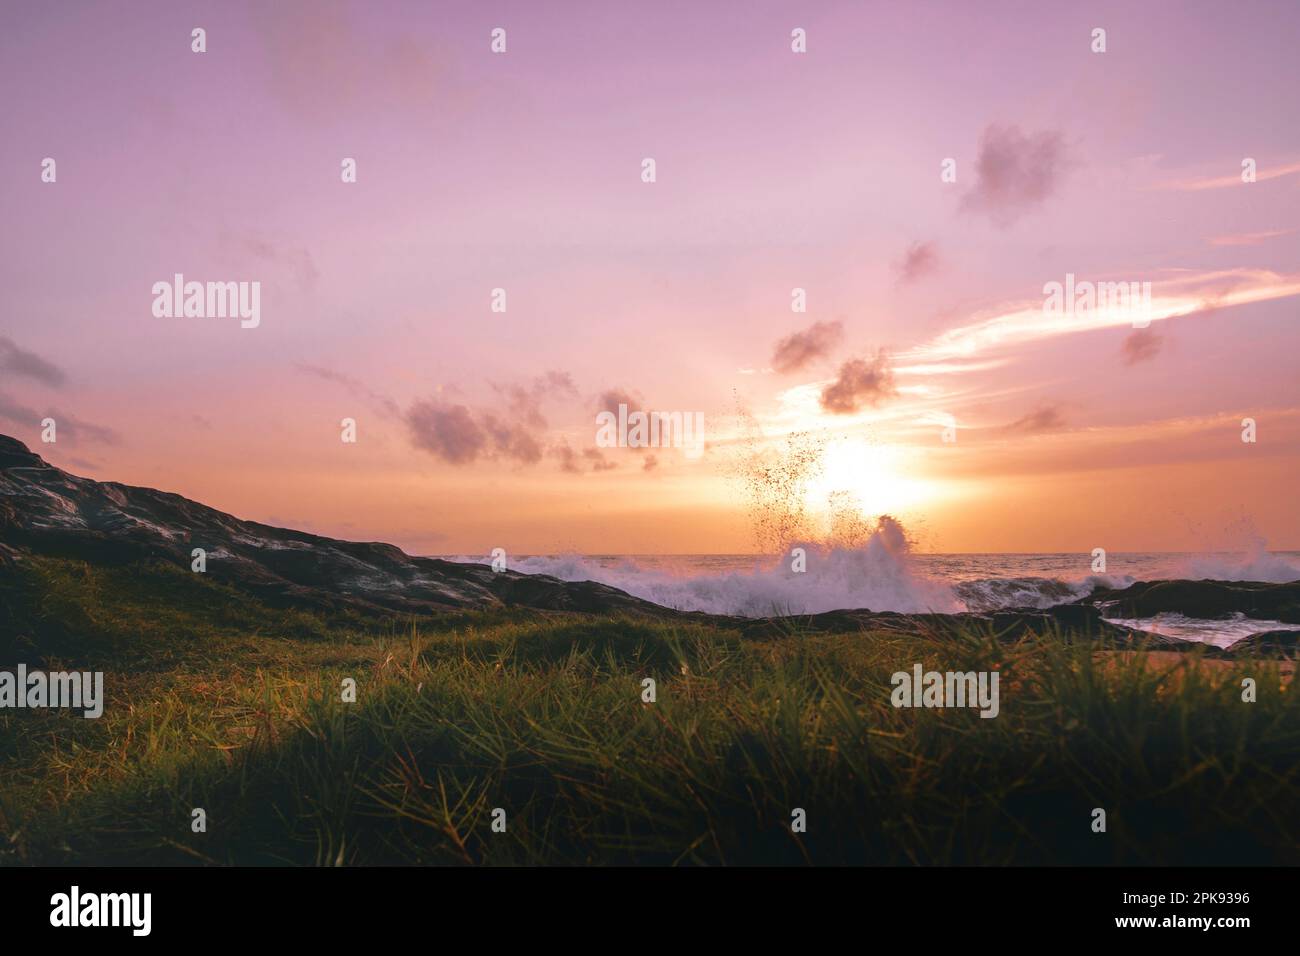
(1204, 599)
(44, 510)
(1267, 644)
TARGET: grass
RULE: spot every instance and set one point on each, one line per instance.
(218, 702)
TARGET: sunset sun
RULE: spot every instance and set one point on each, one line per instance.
(875, 479)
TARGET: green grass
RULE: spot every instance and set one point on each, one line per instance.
(216, 701)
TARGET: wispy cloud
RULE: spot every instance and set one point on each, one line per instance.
(1262, 174)
(525, 401)
(572, 461)
(598, 460)
(240, 250)
(69, 427)
(1022, 323)
(1048, 418)
(1248, 238)
(18, 361)
(383, 403)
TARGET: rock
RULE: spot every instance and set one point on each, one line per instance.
(1203, 599)
(1077, 620)
(1269, 643)
(46, 511)
(14, 454)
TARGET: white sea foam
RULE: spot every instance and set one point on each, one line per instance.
(882, 573)
(1221, 633)
(1254, 565)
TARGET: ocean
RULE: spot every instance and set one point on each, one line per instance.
(884, 575)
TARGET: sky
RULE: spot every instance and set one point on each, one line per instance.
(922, 172)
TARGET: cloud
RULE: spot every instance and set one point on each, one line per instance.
(68, 427)
(610, 399)
(555, 382)
(524, 402)
(920, 260)
(460, 436)
(568, 459)
(1262, 174)
(795, 351)
(1141, 345)
(359, 389)
(598, 460)
(21, 362)
(512, 440)
(448, 432)
(1015, 172)
(1045, 419)
(456, 435)
(296, 260)
(1015, 325)
(859, 383)
(572, 461)
(1248, 238)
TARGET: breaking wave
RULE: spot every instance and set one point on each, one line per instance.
(879, 574)
(991, 594)
(1256, 564)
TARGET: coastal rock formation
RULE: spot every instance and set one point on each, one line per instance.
(1203, 599)
(46, 511)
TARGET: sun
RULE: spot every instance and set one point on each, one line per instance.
(871, 476)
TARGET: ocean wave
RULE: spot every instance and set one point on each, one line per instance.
(992, 594)
(881, 573)
(1254, 565)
